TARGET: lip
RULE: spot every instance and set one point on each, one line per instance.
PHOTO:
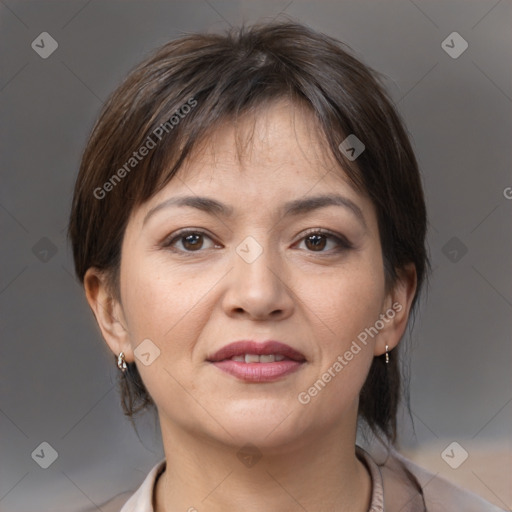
(239, 348)
(257, 372)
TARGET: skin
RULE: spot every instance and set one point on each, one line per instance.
(315, 298)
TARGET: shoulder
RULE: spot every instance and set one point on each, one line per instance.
(440, 494)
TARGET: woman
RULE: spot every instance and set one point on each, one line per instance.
(249, 226)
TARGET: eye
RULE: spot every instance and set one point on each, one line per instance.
(317, 240)
(323, 241)
(189, 241)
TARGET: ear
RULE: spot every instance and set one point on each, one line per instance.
(108, 312)
(396, 309)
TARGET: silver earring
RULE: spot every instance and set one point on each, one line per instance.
(387, 354)
(121, 363)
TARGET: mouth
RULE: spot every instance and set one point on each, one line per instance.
(257, 362)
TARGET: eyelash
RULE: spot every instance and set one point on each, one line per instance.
(343, 243)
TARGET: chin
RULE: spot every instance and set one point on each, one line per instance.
(265, 423)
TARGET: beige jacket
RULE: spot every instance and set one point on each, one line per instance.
(393, 490)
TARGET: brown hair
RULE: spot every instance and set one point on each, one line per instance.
(220, 77)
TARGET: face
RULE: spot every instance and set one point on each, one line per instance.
(261, 241)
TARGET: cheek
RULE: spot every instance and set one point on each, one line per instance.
(347, 301)
(343, 305)
(156, 297)
(170, 306)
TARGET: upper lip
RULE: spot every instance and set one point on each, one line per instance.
(243, 347)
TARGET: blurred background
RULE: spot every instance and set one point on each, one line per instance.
(447, 67)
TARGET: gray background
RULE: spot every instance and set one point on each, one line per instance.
(57, 376)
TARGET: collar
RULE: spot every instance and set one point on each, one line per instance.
(377, 499)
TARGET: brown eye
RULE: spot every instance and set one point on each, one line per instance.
(324, 242)
(193, 241)
(189, 241)
(316, 242)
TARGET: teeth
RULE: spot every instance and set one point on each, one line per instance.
(255, 358)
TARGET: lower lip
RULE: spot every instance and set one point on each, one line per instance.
(258, 372)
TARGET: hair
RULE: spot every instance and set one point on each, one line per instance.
(172, 100)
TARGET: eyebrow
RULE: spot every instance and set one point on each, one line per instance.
(291, 208)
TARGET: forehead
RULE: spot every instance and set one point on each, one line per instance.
(261, 160)
(280, 137)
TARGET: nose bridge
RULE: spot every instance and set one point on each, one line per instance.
(256, 263)
(257, 282)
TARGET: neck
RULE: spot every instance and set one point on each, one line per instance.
(321, 474)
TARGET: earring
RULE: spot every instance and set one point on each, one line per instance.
(387, 354)
(121, 363)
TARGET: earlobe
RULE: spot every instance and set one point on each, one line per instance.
(108, 312)
(397, 309)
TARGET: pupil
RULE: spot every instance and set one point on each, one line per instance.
(317, 241)
(193, 241)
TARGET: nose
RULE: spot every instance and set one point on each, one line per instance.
(258, 289)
